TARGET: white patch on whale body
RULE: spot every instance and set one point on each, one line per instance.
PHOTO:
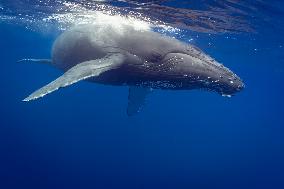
(76, 14)
(119, 23)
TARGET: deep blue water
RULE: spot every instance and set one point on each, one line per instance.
(81, 136)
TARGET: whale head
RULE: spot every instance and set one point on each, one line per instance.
(196, 70)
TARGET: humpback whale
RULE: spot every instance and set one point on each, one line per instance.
(141, 59)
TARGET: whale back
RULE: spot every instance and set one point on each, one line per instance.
(150, 46)
(91, 42)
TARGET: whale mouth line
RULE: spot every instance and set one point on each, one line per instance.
(201, 70)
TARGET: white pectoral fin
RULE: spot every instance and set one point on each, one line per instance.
(136, 99)
(77, 73)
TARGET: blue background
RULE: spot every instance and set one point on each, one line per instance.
(81, 137)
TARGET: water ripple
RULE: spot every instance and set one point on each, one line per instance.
(223, 16)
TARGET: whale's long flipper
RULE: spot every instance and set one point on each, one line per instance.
(136, 99)
(79, 72)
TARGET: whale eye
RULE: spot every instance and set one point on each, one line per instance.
(155, 57)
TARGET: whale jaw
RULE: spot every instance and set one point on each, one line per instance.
(199, 71)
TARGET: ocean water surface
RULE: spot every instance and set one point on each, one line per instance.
(81, 136)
